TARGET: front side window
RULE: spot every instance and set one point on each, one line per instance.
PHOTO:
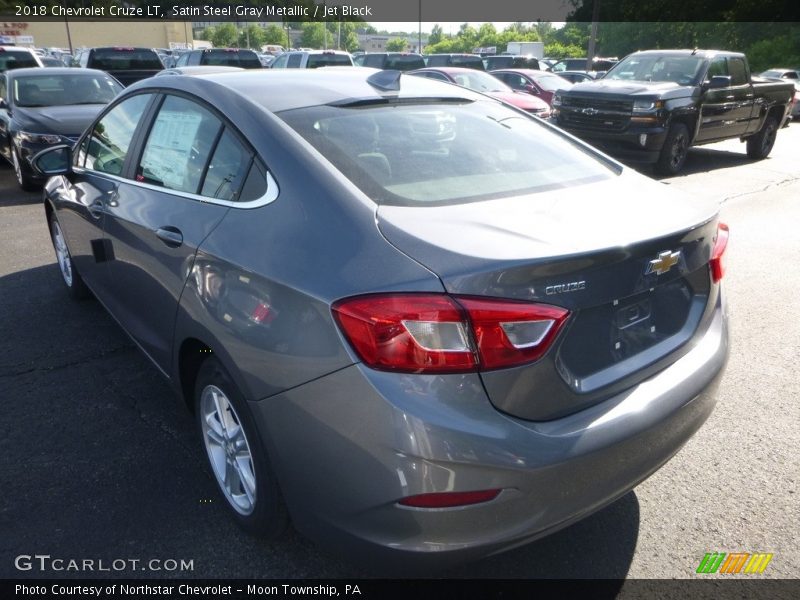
(718, 67)
(179, 146)
(105, 149)
(447, 153)
(294, 61)
(738, 71)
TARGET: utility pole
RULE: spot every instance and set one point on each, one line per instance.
(419, 38)
(593, 35)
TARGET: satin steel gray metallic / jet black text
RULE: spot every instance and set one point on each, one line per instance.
(410, 318)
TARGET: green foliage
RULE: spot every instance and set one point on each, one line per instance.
(436, 34)
(251, 37)
(224, 35)
(396, 45)
(274, 34)
(314, 35)
(559, 50)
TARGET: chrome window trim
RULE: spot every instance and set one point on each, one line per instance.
(269, 196)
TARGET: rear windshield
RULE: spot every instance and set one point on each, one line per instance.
(408, 62)
(124, 59)
(472, 62)
(432, 154)
(245, 59)
(328, 60)
(517, 62)
(63, 90)
(14, 59)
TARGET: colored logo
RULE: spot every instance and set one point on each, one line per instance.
(735, 562)
(663, 262)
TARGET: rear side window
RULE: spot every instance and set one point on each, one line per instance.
(328, 60)
(179, 146)
(105, 149)
(124, 59)
(15, 59)
(227, 169)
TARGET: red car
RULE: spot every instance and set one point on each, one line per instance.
(538, 83)
(486, 84)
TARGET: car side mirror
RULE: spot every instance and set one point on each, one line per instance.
(53, 161)
(719, 81)
(531, 89)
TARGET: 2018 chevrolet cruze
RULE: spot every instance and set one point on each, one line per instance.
(415, 320)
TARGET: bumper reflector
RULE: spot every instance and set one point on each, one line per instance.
(449, 499)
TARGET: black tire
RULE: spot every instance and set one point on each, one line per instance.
(73, 281)
(675, 150)
(760, 145)
(23, 180)
(266, 516)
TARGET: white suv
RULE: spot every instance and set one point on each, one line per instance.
(312, 59)
(13, 57)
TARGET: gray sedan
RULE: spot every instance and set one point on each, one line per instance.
(421, 323)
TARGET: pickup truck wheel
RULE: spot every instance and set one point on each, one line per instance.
(675, 150)
(760, 145)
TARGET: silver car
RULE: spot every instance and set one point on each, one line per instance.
(419, 322)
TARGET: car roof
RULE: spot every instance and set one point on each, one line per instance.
(286, 89)
(449, 70)
(18, 48)
(526, 72)
(687, 52)
(50, 71)
(198, 70)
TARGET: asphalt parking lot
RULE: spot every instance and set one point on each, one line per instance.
(100, 461)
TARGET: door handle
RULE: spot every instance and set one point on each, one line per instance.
(171, 236)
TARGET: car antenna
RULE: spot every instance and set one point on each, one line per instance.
(385, 80)
(694, 51)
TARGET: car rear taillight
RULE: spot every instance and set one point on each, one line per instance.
(437, 333)
(449, 499)
(717, 262)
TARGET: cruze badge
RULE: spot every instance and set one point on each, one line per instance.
(665, 261)
(563, 288)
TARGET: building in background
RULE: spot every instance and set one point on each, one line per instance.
(147, 34)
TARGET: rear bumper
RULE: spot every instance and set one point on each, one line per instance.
(348, 446)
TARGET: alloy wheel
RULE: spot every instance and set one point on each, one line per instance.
(62, 254)
(228, 450)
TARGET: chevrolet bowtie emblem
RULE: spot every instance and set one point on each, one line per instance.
(589, 111)
(665, 261)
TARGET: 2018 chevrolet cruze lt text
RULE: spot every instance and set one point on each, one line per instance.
(414, 320)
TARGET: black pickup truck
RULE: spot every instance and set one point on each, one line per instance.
(654, 105)
(127, 65)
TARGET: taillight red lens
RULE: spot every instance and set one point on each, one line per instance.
(449, 499)
(512, 333)
(436, 333)
(408, 332)
(717, 262)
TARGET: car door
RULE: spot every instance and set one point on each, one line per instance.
(83, 197)
(174, 198)
(743, 94)
(717, 111)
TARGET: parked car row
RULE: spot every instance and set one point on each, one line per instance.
(421, 323)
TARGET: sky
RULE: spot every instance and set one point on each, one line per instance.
(413, 27)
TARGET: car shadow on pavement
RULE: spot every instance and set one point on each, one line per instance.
(702, 160)
(10, 192)
(104, 462)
